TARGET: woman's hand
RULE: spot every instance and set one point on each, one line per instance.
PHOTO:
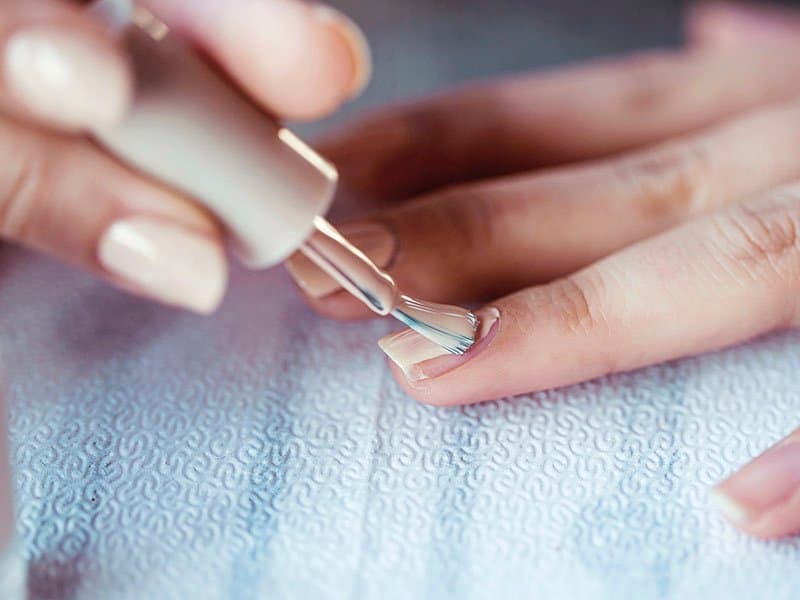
(63, 74)
(671, 228)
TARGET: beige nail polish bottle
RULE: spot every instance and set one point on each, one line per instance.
(191, 129)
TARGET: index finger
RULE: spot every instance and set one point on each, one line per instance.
(708, 284)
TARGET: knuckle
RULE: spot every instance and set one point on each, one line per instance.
(763, 241)
(576, 304)
(646, 87)
(670, 182)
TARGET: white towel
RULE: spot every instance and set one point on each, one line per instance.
(267, 453)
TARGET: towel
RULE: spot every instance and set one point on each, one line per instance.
(267, 453)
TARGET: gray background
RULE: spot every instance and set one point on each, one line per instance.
(421, 45)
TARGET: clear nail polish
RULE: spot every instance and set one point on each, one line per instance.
(420, 359)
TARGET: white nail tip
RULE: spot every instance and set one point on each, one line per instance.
(407, 349)
(731, 509)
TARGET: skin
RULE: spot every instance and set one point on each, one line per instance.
(617, 214)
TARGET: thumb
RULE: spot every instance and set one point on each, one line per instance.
(59, 67)
(63, 196)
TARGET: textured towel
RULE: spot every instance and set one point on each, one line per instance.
(267, 453)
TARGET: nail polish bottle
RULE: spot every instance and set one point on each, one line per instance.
(190, 128)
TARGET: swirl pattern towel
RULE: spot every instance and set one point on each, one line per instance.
(266, 453)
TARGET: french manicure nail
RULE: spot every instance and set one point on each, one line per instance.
(356, 42)
(165, 261)
(760, 486)
(374, 239)
(421, 359)
(65, 78)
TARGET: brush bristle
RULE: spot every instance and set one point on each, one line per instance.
(451, 327)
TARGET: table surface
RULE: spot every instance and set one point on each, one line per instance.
(267, 453)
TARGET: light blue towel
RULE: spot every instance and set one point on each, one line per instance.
(266, 453)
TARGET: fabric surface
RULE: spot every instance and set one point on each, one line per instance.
(266, 453)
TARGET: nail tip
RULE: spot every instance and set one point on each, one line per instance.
(311, 283)
(165, 262)
(730, 508)
(357, 43)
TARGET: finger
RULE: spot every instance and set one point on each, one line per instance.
(59, 67)
(705, 285)
(554, 118)
(763, 498)
(735, 24)
(473, 243)
(302, 60)
(64, 197)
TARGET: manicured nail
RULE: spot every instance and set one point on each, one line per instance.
(356, 42)
(168, 262)
(762, 485)
(421, 359)
(375, 240)
(66, 78)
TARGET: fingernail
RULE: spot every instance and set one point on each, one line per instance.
(760, 486)
(421, 359)
(165, 261)
(356, 42)
(375, 240)
(66, 78)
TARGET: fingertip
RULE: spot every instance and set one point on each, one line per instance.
(301, 61)
(763, 497)
(338, 305)
(341, 306)
(352, 36)
(165, 261)
(422, 393)
(338, 66)
(67, 77)
(433, 376)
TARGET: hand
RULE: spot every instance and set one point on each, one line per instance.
(61, 195)
(667, 230)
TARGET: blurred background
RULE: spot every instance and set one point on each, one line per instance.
(422, 45)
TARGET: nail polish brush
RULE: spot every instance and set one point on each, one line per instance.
(191, 129)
